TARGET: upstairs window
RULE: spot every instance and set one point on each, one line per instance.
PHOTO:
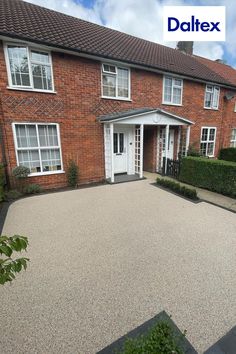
(38, 147)
(115, 82)
(212, 96)
(233, 138)
(29, 68)
(172, 90)
(208, 137)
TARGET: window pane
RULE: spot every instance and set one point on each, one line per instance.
(210, 149)
(30, 159)
(233, 134)
(123, 83)
(209, 88)
(109, 86)
(178, 82)
(208, 99)
(115, 143)
(204, 134)
(121, 142)
(48, 135)
(167, 89)
(177, 95)
(212, 135)
(109, 68)
(51, 160)
(19, 68)
(215, 102)
(26, 135)
(40, 57)
(42, 77)
(203, 149)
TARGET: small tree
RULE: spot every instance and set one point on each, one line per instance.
(21, 173)
(8, 266)
(72, 174)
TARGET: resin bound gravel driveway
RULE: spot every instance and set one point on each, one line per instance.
(108, 258)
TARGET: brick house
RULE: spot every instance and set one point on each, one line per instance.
(114, 103)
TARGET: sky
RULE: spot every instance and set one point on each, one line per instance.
(143, 18)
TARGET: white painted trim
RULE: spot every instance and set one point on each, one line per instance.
(172, 89)
(166, 144)
(38, 148)
(141, 151)
(213, 93)
(112, 61)
(30, 90)
(116, 98)
(29, 50)
(116, 76)
(178, 140)
(187, 140)
(112, 152)
(206, 127)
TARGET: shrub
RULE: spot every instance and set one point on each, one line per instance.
(192, 151)
(20, 172)
(13, 194)
(177, 188)
(160, 339)
(8, 266)
(32, 189)
(228, 154)
(216, 175)
(72, 174)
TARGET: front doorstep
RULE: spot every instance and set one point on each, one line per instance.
(123, 177)
(118, 345)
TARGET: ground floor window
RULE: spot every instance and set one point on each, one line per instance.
(233, 138)
(38, 147)
(207, 146)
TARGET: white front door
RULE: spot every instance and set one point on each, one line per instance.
(120, 152)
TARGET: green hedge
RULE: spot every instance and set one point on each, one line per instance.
(228, 154)
(177, 188)
(216, 175)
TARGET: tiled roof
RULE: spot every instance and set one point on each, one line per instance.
(19, 19)
(226, 71)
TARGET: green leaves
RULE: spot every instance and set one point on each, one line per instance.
(8, 266)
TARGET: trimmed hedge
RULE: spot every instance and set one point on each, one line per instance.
(216, 175)
(228, 154)
(177, 188)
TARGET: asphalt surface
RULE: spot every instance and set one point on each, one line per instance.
(103, 260)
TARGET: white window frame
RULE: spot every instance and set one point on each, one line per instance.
(38, 147)
(172, 90)
(235, 107)
(29, 49)
(215, 88)
(233, 141)
(116, 74)
(208, 141)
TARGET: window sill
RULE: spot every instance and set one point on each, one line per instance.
(30, 90)
(211, 109)
(46, 173)
(172, 104)
(116, 98)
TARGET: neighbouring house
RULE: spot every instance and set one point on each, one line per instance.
(113, 103)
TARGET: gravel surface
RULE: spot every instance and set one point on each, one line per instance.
(108, 258)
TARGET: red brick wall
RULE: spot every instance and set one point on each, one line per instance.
(150, 149)
(77, 103)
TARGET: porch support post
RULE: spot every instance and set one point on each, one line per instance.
(112, 152)
(187, 139)
(178, 141)
(166, 145)
(141, 151)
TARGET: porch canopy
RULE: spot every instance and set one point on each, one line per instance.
(135, 120)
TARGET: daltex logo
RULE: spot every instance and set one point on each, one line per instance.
(194, 23)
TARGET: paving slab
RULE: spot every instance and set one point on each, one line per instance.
(104, 260)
